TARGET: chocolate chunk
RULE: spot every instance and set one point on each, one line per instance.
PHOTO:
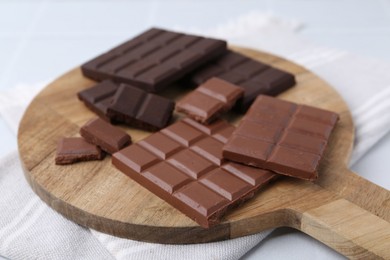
(183, 165)
(209, 100)
(282, 136)
(140, 109)
(99, 97)
(76, 149)
(109, 138)
(154, 59)
(253, 76)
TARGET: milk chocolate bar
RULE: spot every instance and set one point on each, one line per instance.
(282, 136)
(253, 76)
(183, 165)
(154, 59)
(108, 137)
(209, 100)
(76, 149)
(140, 109)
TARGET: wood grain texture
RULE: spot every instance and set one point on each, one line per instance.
(342, 223)
(341, 209)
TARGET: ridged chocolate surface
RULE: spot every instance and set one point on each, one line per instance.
(99, 97)
(140, 109)
(128, 104)
(282, 136)
(108, 137)
(154, 59)
(209, 100)
(183, 165)
(253, 76)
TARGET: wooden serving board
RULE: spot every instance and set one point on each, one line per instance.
(341, 209)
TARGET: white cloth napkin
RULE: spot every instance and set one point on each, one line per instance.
(30, 229)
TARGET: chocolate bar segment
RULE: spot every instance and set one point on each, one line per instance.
(76, 149)
(137, 108)
(282, 136)
(99, 97)
(253, 76)
(108, 137)
(183, 165)
(209, 100)
(154, 59)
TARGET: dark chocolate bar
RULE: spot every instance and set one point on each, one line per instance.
(108, 137)
(154, 59)
(76, 149)
(253, 76)
(209, 100)
(282, 136)
(137, 108)
(99, 97)
(183, 165)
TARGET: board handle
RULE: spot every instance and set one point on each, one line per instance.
(349, 229)
(359, 191)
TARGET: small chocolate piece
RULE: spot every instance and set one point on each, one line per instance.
(108, 137)
(76, 149)
(209, 100)
(137, 108)
(99, 97)
(282, 136)
(253, 76)
(154, 59)
(183, 165)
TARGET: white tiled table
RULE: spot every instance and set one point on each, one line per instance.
(40, 40)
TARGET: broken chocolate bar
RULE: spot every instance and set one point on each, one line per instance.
(108, 137)
(76, 149)
(253, 76)
(140, 109)
(209, 100)
(282, 136)
(99, 97)
(183, 165)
